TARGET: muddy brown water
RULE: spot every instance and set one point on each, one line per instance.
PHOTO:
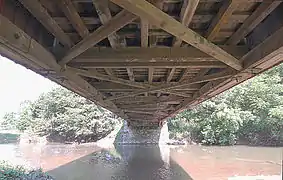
(88, 162)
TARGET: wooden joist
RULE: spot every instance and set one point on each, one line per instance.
(221, 75)
(130, 74)
(105, 16)
(156, 54)
(264, 56)
(264, 9)
(144, 33)
(112, 87)
(94, 74)
(187, 12)
(115, 40)
(223, 15)
(128, 65)
(117, 22)
(146, 10)
(170, 74)
(41, 14)
(15, 47)
(150, 74)
(73, 16)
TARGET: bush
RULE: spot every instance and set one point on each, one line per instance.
(10, 172)
(62, 115)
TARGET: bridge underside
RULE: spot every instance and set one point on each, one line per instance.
(143, 60)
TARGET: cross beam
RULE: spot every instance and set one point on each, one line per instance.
(155, 16)
(168, 86)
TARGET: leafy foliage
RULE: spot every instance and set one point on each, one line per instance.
(252, 111)
(62, 115)
(10, 172)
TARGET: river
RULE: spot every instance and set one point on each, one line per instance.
(89, 162)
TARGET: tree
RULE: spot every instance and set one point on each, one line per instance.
(9, 121)
(251, 111)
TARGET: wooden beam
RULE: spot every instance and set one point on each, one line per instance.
(105, 16)
(169, 86)
(112, 87)
(183, 74)
(94, 74)
(41, 14)
(150, 65)
(109, 71)
(223, 15)
(149, 99)
(130, 74)
(264, 56)
(150, 74)
(73, 16)
(117, 22)
(15, 47)
(264, 9)
(146, 10)
(156, 54)
(187, 12)
(144, 112)
(103, 11)
(144, 33)
(170, 74)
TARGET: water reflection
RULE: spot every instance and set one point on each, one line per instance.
(73, 162)
(127, 162)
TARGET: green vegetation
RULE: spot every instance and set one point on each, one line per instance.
(250, 113)
(10, 172)
(62, 116)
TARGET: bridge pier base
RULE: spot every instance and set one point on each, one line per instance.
(131, 134)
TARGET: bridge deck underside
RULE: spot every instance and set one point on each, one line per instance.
(143, 60)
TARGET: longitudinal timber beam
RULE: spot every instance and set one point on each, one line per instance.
(116, 23)
(146, 10)
(187, 12)
(223, 15)
(153, 54)
(94, 74)
(112, 87)
(264, 9)
(200, 64)
(41, 14)
(73, 16)
(24, 48)
(169, 86)
(264, 56)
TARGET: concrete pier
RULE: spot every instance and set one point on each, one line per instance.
(130, 134)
